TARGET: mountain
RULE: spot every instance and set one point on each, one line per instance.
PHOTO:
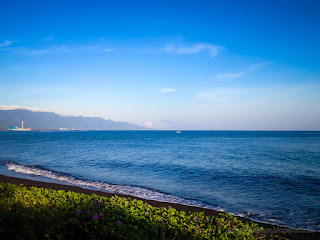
(52, 121)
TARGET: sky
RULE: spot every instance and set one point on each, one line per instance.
(198, 65)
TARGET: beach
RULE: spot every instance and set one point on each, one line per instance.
(290, 233)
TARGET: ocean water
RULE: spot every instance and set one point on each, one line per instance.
(272, 177)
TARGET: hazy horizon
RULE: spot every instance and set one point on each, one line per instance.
(191, 65)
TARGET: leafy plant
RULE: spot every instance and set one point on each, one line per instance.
(41, 213)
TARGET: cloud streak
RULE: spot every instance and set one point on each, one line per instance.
(213, 50)
(57, 49)
(251, 67)
(6, 43)
(13, 107)
(48, 39)
(108, 50)
(167, 90)
(155, 124)
(229, 75)
(50, 50)
(259, 65)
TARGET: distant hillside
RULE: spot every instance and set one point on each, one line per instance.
(52, 121)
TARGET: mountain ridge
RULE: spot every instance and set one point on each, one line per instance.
(38, 120)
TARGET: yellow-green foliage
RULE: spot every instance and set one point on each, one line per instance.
(40, 213)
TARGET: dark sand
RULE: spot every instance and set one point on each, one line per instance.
(290, 233)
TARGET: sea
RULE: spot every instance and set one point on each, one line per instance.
(267, 176)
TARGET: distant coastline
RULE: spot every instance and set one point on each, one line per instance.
(52, 121)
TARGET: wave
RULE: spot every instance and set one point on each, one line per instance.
(130, 190)
(113, 188)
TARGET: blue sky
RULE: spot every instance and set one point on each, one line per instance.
(215, 65)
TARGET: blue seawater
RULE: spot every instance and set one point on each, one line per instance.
(266, 176)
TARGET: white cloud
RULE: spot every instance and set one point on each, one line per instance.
(59, 49)
(108, 50)
(229, 75)
(212, 49)
(6, 43)
(193, 49)
(148, 124)
(99, 45)
(12, 107)
(48, 39)
(96, 47)
(169, 47)
(30, 51)
(259, 65)
(155, 125)
(240, 74)
(167, 90)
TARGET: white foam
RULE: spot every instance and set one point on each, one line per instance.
(126, 190)
(117, 189)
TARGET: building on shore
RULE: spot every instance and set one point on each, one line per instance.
(19, 129)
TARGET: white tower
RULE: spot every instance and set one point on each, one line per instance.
(22, 125)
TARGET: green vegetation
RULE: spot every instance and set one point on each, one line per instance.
(40, 213)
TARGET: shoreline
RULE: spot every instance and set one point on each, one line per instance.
(291, 233)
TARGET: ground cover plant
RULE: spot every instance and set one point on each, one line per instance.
(41, 213)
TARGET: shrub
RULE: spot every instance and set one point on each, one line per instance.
(40, 213)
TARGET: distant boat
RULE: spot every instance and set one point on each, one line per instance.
(178, 131)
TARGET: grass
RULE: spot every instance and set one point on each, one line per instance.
(41, 213)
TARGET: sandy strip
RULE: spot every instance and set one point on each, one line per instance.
(290, 233)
